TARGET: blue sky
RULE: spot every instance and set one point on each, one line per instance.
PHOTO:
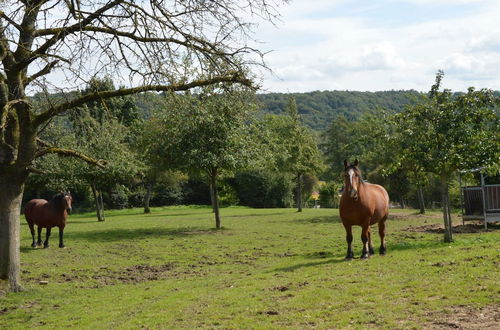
(372, 45)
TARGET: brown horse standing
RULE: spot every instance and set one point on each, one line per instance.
(362, 204)
(47, 215)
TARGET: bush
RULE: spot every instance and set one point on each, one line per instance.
(328, 195)
(118, 198)
(196, 192)
(263, 189)
(167, 195)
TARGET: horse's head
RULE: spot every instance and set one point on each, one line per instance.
(352, 179)
(66, 201)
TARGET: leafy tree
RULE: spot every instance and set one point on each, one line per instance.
(208, 133)
(157, 45)
(447, 133)
(296, 148)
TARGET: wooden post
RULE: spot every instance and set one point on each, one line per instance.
(483, 191)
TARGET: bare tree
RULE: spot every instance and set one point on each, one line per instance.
(59, 45)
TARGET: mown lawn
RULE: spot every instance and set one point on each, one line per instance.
(268, 268)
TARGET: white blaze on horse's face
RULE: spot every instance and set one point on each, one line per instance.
(353, 192)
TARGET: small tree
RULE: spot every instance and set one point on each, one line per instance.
(302, 153)
(208, 134)
(448, 133)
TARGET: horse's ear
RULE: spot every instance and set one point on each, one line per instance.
(345, 163)
(356, 162)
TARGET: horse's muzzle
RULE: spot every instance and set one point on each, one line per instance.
(69, 210)
(353, 193)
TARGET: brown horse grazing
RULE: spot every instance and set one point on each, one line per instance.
(362, 204)
(47, 215)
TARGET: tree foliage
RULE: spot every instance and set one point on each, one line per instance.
(207, 133)
(447, 133)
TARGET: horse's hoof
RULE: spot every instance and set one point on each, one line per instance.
(45, 246)
(382, 252)
(62, 246)
(33, 245)
(365, 256)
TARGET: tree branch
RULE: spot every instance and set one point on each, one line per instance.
(45, 70)
(234, 77)
(71, 153)
(62, 33)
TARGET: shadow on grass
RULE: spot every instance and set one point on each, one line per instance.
(322, 219)
(337, 259)
(119, 234)
(253, 215)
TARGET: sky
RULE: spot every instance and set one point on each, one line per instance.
(375, 45)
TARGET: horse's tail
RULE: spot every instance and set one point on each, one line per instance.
(27, 212)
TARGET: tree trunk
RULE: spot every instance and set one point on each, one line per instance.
(448, 235)
(299, 193)
(102, 206)
(215, 200)
(98, 209)
(212, 198)
(10, 206)
(421, 203)
(147, 197)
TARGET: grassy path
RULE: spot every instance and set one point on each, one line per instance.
(268, 268)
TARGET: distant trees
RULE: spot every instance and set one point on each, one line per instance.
(292, 147)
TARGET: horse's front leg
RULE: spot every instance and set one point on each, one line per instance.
(370, 246)
(39, 232)
(47, 236)
(348, 236)
(365, 233)
(61, 242)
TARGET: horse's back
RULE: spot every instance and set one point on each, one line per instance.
(30, 209)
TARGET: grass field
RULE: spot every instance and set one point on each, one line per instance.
(268, 268)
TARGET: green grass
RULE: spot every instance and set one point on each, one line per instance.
(268, 268)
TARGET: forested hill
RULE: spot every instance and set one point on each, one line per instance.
(319, 108)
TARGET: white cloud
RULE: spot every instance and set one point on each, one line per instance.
(485, 43)
(331, 52)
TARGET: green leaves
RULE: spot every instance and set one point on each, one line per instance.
(204, 132)
(449, 133)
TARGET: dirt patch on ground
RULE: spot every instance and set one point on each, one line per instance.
(466, 317)
(405, 216)
(438, 228)
(133, 274)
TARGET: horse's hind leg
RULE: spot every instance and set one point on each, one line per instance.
(32, 230)
(381, 232)
(46, 243)
(348, 236)
(39, 241)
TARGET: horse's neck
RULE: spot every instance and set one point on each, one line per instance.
(362, 191)
(55, 206)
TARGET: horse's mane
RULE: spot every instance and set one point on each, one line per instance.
(57, 200)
